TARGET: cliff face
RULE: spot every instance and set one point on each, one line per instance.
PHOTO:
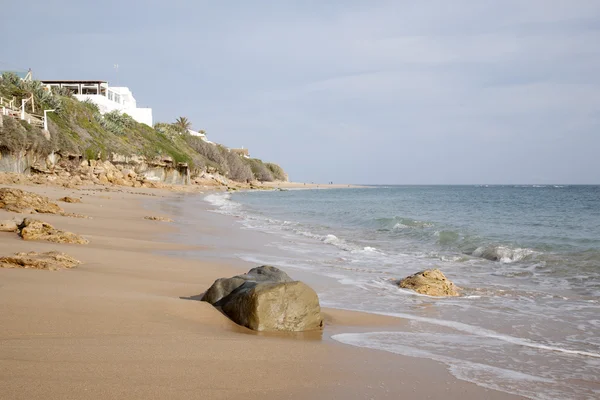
(78, 131)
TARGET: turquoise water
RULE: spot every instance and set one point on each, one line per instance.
(527, 257)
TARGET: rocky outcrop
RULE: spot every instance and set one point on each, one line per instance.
(71, 170)
(20, 201)
(33, 229)
(52, 260)
(431, 282)
(21, 162)
(267, 299)
(68, 199)
(8, 226)
(155, 218)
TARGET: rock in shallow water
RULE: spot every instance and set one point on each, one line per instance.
(267, 299)
(431, 282)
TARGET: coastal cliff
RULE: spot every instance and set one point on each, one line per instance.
(80, 137)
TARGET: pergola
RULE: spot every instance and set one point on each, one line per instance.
(81, 87)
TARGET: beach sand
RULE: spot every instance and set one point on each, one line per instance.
(127, 323)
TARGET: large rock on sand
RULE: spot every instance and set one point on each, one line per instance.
(267, 299)
(431, 282)
(33, 229)
(51, 260)
(20, 201)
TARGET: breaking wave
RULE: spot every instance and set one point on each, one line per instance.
(504, 254)
(399, 223)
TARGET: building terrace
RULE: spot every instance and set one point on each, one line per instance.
(107, 98)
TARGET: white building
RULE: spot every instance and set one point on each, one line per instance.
(106, 98)
(200, 135)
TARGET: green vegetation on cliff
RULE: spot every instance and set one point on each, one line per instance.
(78, 128)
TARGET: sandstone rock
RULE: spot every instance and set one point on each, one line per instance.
(68, 199)
(33, 229)
(110, 176)
(122, 182)
(20, 201)
(70, 185)
(75, 215)
(8, 226)
(431, 282)
(267, 299)
(221, 288)
(155, 218)
(12, 178)
(109, 166)
(266, 273)
(52, 260)
(129, 173)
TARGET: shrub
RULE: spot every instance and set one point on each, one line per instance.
(16, 135)
(61, 91)
(260, 171)
(93, 107)
(115, 122)
(276, 171)
(168, 130)
(10, 78)
(238, 170)
(208, 150)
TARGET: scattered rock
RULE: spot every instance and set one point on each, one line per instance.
(75, 215)
(155, 218)
(52, 260)
(267, 299)
(68, 199)
(20, 201)
(431, 282)
(8, 226)
(33, 229)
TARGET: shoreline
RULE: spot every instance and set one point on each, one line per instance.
(124, 323)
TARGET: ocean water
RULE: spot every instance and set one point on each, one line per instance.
(527, 258)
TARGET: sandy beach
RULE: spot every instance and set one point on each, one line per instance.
(127, 323)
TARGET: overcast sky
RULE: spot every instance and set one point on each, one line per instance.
(409, 92)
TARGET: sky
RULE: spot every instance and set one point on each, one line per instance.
(380, 92)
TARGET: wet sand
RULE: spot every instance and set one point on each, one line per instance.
(127, 323)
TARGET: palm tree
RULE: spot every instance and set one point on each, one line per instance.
(183, 124)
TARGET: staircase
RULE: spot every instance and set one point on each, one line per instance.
(7, 108)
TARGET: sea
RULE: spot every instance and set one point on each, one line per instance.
(527, 258)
